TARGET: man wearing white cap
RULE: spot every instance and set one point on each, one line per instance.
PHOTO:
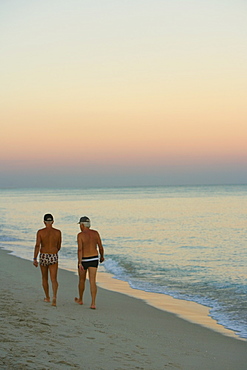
(89, 242)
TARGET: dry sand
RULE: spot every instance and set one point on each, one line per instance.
(122, 333)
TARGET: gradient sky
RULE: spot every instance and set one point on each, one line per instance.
(123, 92)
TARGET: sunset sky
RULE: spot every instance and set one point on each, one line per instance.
(123, 92)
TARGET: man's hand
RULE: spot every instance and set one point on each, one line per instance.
(81, 268)
(35, 263)
(102, 259)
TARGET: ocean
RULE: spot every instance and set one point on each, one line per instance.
(189, 242)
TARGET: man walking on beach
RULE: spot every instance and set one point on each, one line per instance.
(48, 243)
(88, 240)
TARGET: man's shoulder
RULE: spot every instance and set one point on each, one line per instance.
(89, 231)
(45, 230)
(93, 231)
(56, 230)
(41, 230)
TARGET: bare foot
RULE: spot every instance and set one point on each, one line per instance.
(93, 307)
(54, 302)
(77, 300)
(47, 300)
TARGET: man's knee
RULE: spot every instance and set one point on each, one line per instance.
(92, 280)
(54, 279)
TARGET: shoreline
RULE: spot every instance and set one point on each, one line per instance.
(122, 333)
(187, 310)
(190, 311)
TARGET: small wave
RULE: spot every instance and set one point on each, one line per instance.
(192, 247)
(114, 268)
(4, 238)
(230, 320)
(217, 311)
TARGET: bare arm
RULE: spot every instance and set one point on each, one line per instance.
(37, 249)
(101, 249)
(80, 248)
(59, 243)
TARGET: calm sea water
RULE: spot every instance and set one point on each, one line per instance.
(188, 242)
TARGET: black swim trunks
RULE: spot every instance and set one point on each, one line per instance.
(90, 262)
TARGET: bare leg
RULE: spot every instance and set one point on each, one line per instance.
(44, 273)
(93, 287)
(53, 275)
(81, 285)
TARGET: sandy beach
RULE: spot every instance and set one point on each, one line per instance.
(122, 333)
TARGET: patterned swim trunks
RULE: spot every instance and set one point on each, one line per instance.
(47, 259)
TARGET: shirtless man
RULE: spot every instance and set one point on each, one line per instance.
(48, 243)
(88, 259)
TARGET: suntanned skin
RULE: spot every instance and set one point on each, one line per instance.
(89, 242)
(48, 240)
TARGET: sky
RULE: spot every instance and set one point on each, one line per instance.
(123, 92)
